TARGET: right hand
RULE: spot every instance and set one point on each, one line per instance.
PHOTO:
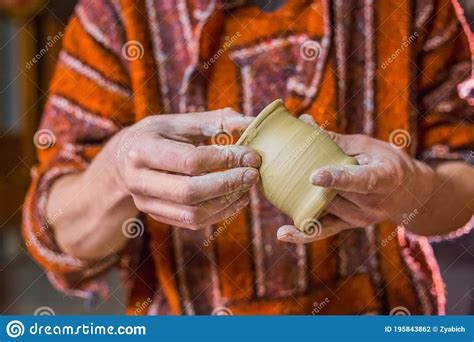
(176, 182)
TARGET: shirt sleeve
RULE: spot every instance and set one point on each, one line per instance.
(445, 125)
(90, 99)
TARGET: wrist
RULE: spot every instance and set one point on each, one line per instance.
(108, 162)
(420, 197)
(426, 183)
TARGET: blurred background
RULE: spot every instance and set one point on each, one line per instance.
(30, 29)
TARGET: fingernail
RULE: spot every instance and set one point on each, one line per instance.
(250, 177)
(321, 178)
(244, 201)
(284, 234)
(287, 237)
(251, 159)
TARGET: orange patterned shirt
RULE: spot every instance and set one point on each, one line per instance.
(360, 66)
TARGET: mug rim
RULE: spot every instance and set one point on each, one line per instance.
(269, 109)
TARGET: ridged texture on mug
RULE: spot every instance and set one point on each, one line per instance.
(291, 150)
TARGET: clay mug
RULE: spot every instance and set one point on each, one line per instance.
(291, 150)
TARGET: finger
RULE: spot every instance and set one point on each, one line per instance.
(330, 224)
(307, 119)
(228, 212)
(191, 190)
(190, 215)
(362, 179)
(351, 213)
(363, 201)
(351, 144)
(222, 215)
(201, 126)
(175, 156)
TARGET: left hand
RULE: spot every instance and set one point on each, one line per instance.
(386, 185)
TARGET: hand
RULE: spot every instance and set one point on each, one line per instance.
(176, 182)
(387, 184)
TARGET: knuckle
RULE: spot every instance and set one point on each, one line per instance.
(132, 157)
(227, 111)
(233, 197)
(205, 210)
(140, 204)
(190, 217)
(333, 136)
(230, 183)
(362, 221)
(372, 182)
(223, 215)
(186, 192)
(133, 185)
(342, 178)
(230, 156)
(191, 164)
(361, 137)
(198, 226)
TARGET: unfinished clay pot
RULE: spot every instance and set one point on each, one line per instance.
(291, 150)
